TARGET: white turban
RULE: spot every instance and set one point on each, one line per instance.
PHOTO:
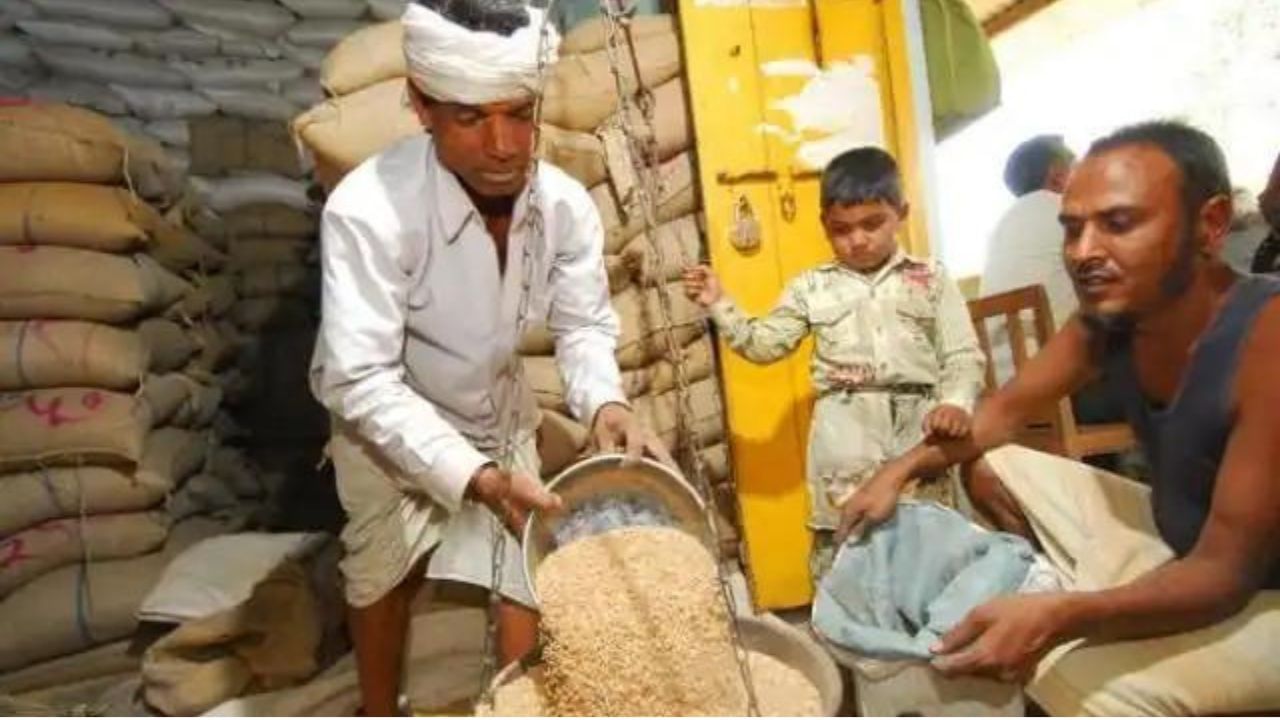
(449, 62)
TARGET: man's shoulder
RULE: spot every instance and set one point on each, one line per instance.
(374, 183)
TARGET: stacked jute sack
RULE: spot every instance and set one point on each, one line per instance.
(107, 399)
(581, 134)
(155, 64)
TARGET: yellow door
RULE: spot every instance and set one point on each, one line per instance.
(777, 87)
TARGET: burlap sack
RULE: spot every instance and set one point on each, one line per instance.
(543, 376)
(618, 273)
(279, 279)
(165, 396)
(220, 145)
(577, 153)
(679, 244)
(233, 467)
(56, 543)
(172, 455)
(66, 283)
(269, 641)
(670, 131)
(660, 377)
(59, 142)
(212, 296)
(715, 462)
(589, 35)
(39, 495)
(92, 217)
(622, 221)
(256, 314)
(537, 340)
(217, 343)
(250, 252)
(71, 425)
(201, 405)
(581, 91)
(561, 440)
(643, 338)
(54, 353)
(77, 607)
(364, 58)
(184, 252)
(659, 413)
(102, 661)
(201, 495)
(255, 222)
(344, 132)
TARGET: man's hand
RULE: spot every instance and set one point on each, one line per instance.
(510, 496)
(871, 504)
(1005, 638)
(947, 422)
(617, 429)
(702, 286)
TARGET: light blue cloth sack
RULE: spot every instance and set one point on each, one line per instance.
(894, 592)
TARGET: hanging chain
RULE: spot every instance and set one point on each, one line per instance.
(536, 238)
(642, 152)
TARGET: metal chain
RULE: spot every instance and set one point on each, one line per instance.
(536, 237)
(643, 157)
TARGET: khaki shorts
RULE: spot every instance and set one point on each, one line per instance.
(392, 524)
(1098, 531)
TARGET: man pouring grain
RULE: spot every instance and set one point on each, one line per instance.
(437, 254)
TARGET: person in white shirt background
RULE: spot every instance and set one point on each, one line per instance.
(437, 254)
(1026, 249)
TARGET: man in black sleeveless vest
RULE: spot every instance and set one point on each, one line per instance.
(1169, 601)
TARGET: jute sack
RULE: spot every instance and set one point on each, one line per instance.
(60, 492)
(54, 353)
(660, 377)
(537, 340)
(172, 455)
(250, 252)
(63, 541)
(589, 35)
(169, 457)
(92, 217)
(344, 132)
(561, 440)
(622, 221)
(59, 142)
(279, 279)
(618, 273)
(274, 221)
(577, 153)
(218, 343)
(643, 338)
(364, 58)
(182, 251)
(102, 661)
(679, 242)
(212, 296)
(201, 405)
(220, 145)
(201, 495)
(659, 413)
(671, 132)
(66, 283)
(85, 425)
(77, 607)
(715, 460)
(581, 91)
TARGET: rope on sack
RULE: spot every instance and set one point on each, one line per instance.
(645, 191)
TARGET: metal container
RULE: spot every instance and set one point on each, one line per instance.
(767, 635)
(594, 489)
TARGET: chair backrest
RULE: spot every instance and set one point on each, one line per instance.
(1012, 310)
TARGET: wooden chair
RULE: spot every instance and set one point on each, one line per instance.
(1055, 430)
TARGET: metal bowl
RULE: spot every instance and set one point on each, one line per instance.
(586, 485)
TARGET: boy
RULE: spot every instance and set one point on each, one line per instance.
(896, 357)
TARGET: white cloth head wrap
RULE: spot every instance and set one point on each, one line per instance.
(449, 62)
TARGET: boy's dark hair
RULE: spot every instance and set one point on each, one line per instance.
(862, 175)
(503, 17)
(1028, 166)
(1199, 159)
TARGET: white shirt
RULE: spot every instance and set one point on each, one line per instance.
(1026, 249)
(418, 332)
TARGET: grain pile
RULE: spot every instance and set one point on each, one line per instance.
(635, 625)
